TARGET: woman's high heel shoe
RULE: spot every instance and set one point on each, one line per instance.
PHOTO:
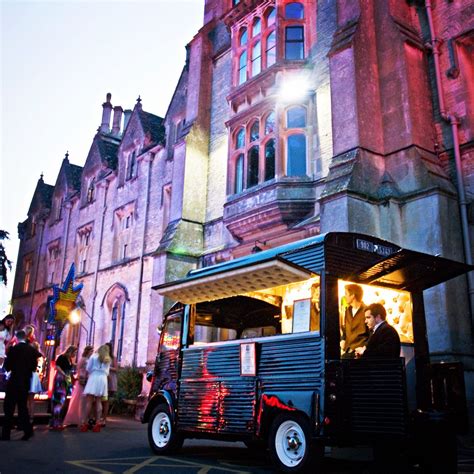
(84, 427)
(96, 428)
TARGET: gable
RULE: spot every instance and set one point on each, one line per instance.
(41, 197)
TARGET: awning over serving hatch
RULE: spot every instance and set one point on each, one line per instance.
(235, 281)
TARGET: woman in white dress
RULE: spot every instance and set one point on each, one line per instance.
(96, 387)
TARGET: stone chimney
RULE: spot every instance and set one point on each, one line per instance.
(117, 122)
(127, 113)
(106, 112)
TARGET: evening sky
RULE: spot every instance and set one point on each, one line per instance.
(58, 61)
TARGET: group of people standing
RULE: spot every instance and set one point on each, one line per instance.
(19, 358)
(94, 382)
(90, 383)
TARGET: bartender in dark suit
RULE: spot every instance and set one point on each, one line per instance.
(384, 341)
(21, 361)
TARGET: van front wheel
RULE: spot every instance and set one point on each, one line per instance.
(290, 443)
(162, 436)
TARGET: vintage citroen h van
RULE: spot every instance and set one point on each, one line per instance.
(251, 352)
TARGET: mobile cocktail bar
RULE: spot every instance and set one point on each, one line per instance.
(251, 352)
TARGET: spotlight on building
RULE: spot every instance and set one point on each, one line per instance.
(293, 88)
(75, 316)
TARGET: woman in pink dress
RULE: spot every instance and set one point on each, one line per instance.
(76, 404)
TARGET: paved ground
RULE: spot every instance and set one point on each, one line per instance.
(122, 447)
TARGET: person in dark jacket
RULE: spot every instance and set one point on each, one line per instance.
(384, 340)
(21, 361)
(354, 330)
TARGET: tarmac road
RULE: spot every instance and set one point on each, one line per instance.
(122, 447)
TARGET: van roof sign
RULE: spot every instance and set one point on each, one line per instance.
(368, 246)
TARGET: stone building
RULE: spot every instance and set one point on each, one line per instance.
(106, 218)
(289, 119)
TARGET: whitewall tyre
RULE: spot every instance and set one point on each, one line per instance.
(290, 443)
(162, 436)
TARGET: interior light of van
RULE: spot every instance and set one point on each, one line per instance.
(397, 303)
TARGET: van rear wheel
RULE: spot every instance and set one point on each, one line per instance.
(290, 443)
(162, 435)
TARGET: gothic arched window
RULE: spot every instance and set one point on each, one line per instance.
(254, 45)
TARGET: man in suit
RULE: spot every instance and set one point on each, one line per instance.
(384, 341)
(21, 361)
(354, 330)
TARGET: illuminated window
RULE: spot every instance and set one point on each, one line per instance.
(397, 303)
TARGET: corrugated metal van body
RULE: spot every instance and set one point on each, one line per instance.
(214, 398)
